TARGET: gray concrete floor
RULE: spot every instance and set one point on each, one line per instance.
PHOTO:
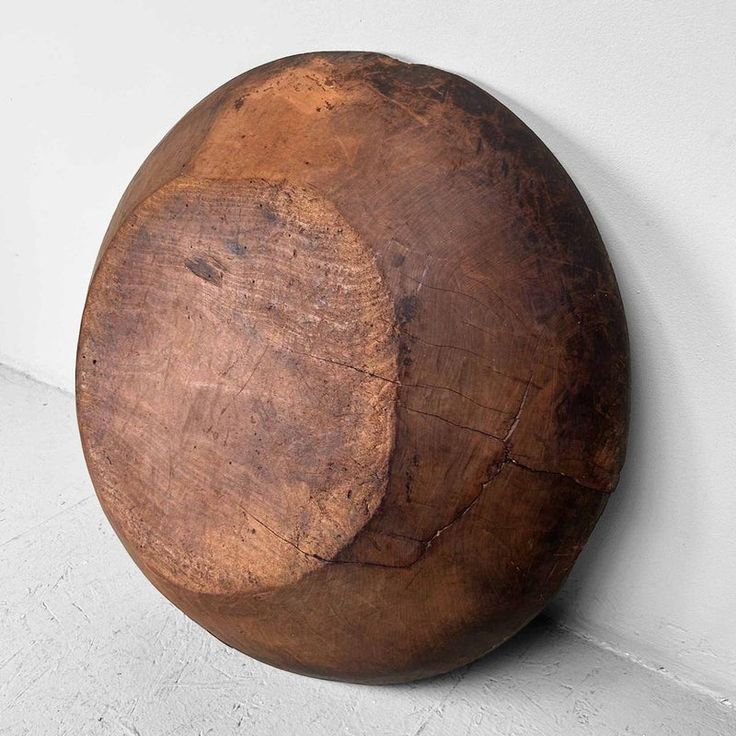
(87, 646)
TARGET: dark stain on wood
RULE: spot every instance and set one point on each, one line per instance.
(236, 248)
(407, 308)
(205, 270)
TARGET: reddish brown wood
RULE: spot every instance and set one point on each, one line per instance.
(353, 370)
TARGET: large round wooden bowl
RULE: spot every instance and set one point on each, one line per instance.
(353, 376)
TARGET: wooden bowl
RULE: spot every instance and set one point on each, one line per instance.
(352, 378)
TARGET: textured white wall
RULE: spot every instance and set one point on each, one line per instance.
(638, 101)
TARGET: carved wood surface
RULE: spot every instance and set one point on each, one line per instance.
(352, 377)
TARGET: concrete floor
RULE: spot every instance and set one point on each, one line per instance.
(87, 646)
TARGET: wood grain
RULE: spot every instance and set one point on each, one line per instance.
(352, 377)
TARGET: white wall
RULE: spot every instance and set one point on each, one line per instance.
(637, 99)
